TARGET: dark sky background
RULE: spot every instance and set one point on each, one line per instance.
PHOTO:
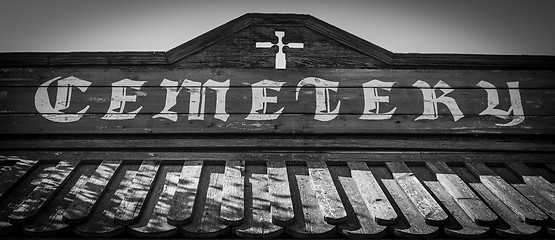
(520, 27)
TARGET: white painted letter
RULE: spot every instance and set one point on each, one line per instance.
(493, 101)
(372, 100)
(260, 100)
(63, 99)
(431, 101)
(323, 110)
(197, 99)
(120, 97)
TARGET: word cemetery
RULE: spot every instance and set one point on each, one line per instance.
(276, 126)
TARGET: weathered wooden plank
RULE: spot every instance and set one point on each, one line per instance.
(101, 223)
(49, 222)
(157, 225)
(285, 142)
(414, 224)
(462, 194)
(130, 207)
(281, 205)
(181, 209)
(238, 100)
(43, 193)
(87, 196)
(506, 193)
(417, 194)
(14, 174)
(516, 227)
(259, 223)
(468, 228)
(330, 156)
(537, 199)
(206, 224)
(286, 123)
(540, 184)
(326, 193)
(103, 76)
(364, 224)
(232, 211)
(373, 196)
(310, 222)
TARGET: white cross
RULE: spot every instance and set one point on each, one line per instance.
(280, 56)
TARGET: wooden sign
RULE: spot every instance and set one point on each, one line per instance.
(276, 74)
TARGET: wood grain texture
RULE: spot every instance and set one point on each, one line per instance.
(206, 222)
(281, 205)
(326, 193)
(539, 183)
(526, 210)
(101, 223)
(157, 225)
(309, 215)
(91, 191)
(232, 211)
(15, 174)
(181, 209)
(460, 225)
(131, 206)
(258, 224)
(373, 196)
(462, 194)
(43, 193)
(515, 226)
(537, 199)
(430, 210)
(414, 224)
(363, 222)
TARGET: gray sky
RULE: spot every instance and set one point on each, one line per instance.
(521, 27)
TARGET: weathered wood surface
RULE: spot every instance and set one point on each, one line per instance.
(426, 205)
(326, 193)
(462, 194)
(184, 198)
(283, 142)
(372, 194)
(87, 196)
(518, 203)
(37, 200)
(232, 211)
(286, 123)
(15, 174)
(460, 225)
(514, 226)
(281, 205)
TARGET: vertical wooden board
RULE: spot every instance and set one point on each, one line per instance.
(516, 227)
(14, 174)
(181, 209)
(414, 224)
(43, 193)
(131, 206)
(510, 196)
(326, 193)
(460, 225)
(540, 184)
(156, 225)
(280, 193)
(364, 224)
(233, 193)
(92, 190)
(101, 223)
(258, 221)
(309, 217)
(537, 199)
(206, 221)
(462, 194)
(372, 194)
(49, 222)
(24, 188)
(417, 194)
